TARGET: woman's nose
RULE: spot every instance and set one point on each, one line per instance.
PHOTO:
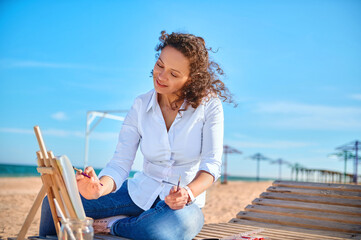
(161, 75)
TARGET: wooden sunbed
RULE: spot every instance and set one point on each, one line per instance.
(298, 210)
(294, 210)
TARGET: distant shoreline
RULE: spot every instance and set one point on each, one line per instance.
(14, 170)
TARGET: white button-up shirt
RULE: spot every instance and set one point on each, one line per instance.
(194, 142)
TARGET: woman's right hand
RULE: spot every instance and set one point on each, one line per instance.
(89, 188)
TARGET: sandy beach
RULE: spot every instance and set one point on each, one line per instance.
(18, 194)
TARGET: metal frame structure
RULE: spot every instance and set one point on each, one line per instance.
(352, 146)
(90, 117)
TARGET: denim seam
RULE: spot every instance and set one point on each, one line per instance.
(110, 208)
(157, 209)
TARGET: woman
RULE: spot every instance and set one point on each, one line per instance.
(179, 126)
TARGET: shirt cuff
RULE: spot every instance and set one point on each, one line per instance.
(119, 176)
(212, 168)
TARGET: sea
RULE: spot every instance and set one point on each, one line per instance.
(13, 170)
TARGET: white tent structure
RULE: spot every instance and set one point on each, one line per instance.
(90, 117)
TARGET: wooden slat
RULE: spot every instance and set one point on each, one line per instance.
(41, 143)
(325, 216)
(316, 192)
(279, 234)
(207, 234)
(108, 237)
(45, 170)
(305, 232)
(40, 158)
(312, 199)
(232, 229)
(299, 222)
(353, 211)
(216, 231)
(329, 186)
(273, 233)
(47, 181)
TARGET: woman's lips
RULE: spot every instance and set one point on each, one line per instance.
(159, 84)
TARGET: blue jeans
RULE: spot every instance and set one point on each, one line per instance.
(159, 222)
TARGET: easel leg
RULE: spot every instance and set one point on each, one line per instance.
(32, 213)
(52, 208)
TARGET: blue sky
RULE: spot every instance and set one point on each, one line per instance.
(294, 68)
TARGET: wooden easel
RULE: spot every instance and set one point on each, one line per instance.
(53, 186)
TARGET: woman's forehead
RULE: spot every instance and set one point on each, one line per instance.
(174, 59)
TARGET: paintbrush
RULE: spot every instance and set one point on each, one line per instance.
(178, 183)
(67, 227)
(84, 174)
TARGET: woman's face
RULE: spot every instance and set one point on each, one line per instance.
(171, 71)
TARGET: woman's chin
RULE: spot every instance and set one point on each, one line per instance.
(160, 90)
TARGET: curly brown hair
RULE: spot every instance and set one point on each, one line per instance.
(204, 74)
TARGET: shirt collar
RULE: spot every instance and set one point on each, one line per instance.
(153, 101)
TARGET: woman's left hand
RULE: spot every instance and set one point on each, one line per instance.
(176, 199)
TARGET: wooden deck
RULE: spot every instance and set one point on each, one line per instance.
(294, 210)
(298, 210)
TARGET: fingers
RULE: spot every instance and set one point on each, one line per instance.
(79, 177)
(173, 190)
(176, 206)
(177, 199)
(181, 193)
(90, 172)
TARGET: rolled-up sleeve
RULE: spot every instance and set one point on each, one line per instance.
(212, 141)
(119, 166)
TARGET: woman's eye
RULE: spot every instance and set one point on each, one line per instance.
(173, 75)
(159, 65)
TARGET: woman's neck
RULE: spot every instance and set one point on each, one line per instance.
(166, 100)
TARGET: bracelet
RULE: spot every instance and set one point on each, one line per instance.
(190, 195)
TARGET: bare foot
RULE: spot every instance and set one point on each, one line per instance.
(103, 225)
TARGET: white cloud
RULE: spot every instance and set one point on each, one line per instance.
(63, 133)
(102, 136)
(356, 97)
(38, 64)
(60, 116)
(9, 63)
(306, 116)
(16, 130)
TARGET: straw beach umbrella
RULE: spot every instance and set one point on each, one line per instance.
(353, 146)
(280, 162)
(343, 155)
(226, 150)
(259, 157)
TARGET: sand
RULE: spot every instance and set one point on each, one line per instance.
(18, 194)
